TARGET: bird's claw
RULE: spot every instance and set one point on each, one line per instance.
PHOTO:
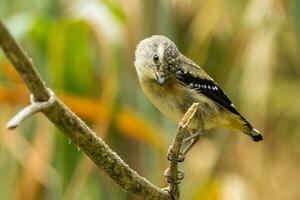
(171, 157)
(170, 179)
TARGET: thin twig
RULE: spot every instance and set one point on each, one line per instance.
(74, 128)
(173, 174)
(29, 110)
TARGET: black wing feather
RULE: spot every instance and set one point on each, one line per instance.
(209, 88)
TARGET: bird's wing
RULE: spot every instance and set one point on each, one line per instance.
(194, 77)
(188, 65)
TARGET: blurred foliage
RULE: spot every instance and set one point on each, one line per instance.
(85, 52)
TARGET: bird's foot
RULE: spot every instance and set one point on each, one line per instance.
(192, 136)
(174, 180)
(171, 156)
(193, 139)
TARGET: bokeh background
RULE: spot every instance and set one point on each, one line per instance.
(84, 49)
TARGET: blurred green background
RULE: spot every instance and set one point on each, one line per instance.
(84, 50)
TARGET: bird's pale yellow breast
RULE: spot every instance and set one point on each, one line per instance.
(173, 101)
(165, 97)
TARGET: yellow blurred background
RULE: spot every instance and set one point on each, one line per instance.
(84, 50)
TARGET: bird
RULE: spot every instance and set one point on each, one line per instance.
(173, 82)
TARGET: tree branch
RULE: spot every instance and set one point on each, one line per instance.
(74, 128)
(173, 174)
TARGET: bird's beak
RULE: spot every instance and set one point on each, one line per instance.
(160, 77)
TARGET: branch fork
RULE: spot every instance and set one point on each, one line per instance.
(32, 108)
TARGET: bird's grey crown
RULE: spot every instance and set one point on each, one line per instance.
(149, 46)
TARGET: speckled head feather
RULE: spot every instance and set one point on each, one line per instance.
(157, 56)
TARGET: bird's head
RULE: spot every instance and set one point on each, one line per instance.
(156, 58)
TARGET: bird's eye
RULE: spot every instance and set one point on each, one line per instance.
(155, 58)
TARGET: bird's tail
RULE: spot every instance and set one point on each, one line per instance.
(251, 131)
(254, 135)
(241, 124)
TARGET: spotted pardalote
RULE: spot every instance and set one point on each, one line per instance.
(173, 83)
